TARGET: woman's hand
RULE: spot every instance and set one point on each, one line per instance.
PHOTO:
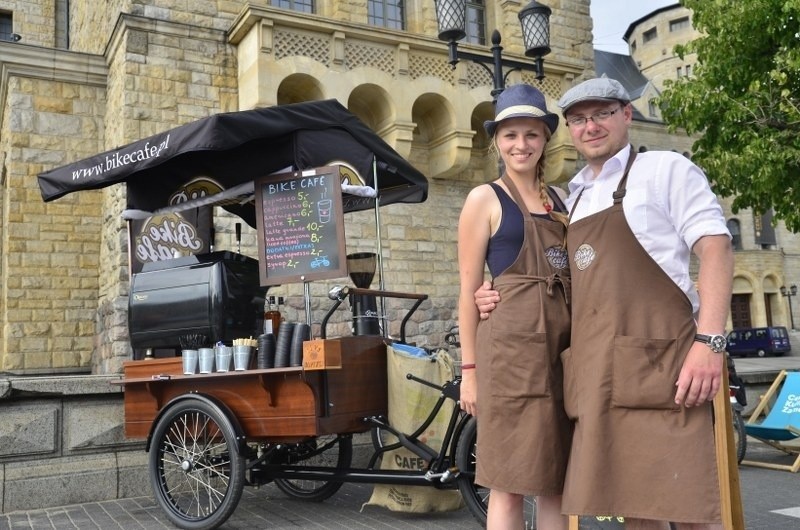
(469, 392)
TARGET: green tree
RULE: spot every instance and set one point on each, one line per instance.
(743, 102)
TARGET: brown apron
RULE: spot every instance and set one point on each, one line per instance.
(634, 452)
(523, 432)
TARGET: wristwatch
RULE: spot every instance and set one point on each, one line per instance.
(717, 343)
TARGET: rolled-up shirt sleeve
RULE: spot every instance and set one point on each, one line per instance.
(691, 204)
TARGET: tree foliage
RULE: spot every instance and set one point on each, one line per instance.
(743, 102)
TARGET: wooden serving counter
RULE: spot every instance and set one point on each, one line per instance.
(277, 404)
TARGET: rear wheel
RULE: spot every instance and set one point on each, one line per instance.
(196, 470)
(761, 353)
(331, 451)
(477, 497)
(739, 435)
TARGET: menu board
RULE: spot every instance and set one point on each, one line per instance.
(300, 226)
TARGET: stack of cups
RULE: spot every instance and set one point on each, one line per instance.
(302, 332)
(284, 344)
(266, 351)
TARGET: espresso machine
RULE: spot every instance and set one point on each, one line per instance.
(361, 268)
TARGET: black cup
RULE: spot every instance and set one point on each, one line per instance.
(283, 344)
(302, 332)
(266, 351)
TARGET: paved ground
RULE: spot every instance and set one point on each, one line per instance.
(771, 501)
(264, 508)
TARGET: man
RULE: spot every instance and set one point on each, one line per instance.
(647, 348)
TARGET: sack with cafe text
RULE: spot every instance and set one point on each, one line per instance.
(409, 405)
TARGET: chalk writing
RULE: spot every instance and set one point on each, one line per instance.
(300, 226)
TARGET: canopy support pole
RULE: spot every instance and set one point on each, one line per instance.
(384, 322)
(307, 301)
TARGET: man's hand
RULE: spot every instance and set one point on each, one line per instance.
(486, 299)
(701, 376)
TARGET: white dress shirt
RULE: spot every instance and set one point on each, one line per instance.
(669, 205)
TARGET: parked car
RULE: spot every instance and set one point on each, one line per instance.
(759, 341)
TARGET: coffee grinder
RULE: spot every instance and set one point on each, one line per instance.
(361, 267)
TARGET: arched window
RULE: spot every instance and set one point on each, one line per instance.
(736, 233)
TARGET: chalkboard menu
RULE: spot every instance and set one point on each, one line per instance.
(300, 226)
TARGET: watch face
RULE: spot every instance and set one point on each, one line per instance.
(718, 343)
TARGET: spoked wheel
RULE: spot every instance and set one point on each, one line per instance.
(739, 435)
(196, 471)
(477, 497)
(332, 451)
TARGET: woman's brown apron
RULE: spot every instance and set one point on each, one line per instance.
(634, 452)
(523, 432)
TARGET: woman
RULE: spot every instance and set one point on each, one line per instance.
(511, 373)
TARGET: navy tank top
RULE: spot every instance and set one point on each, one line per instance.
(505, 244)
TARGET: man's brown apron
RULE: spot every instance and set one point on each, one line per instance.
(634, 453)
(523, 432)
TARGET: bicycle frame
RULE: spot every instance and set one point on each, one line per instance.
(441, 470)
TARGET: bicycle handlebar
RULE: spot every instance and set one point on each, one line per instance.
(338, 294)
(412, 377)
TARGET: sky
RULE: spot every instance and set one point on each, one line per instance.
(612, 17)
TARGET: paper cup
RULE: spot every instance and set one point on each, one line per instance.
(189, 361)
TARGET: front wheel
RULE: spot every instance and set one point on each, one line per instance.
(476, 497)
(196, 470)
(739, 435)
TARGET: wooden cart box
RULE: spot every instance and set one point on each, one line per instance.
(277, 404)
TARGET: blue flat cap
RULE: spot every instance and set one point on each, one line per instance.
(600, 88)
(521, 101)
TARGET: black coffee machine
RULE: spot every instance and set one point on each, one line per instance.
(361, 267)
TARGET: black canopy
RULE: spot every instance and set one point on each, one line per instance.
(236, 147)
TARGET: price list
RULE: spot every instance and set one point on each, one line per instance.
(300, 226)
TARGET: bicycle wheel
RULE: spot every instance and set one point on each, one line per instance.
(476, 497)
(196, 472)
(739, 435)
(331, 451)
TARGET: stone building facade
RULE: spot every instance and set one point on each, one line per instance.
(87, 77)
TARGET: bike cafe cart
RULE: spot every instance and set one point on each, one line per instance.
(210, 434)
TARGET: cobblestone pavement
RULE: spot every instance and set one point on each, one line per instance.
(263, 508)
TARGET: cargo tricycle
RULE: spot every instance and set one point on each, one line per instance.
(210, 434)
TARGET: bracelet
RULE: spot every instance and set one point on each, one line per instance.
(468, 366)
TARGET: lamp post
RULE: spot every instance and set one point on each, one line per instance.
(451, 16)
(789, 293)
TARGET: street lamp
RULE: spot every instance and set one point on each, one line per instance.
(789, 293)
(451, 16)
